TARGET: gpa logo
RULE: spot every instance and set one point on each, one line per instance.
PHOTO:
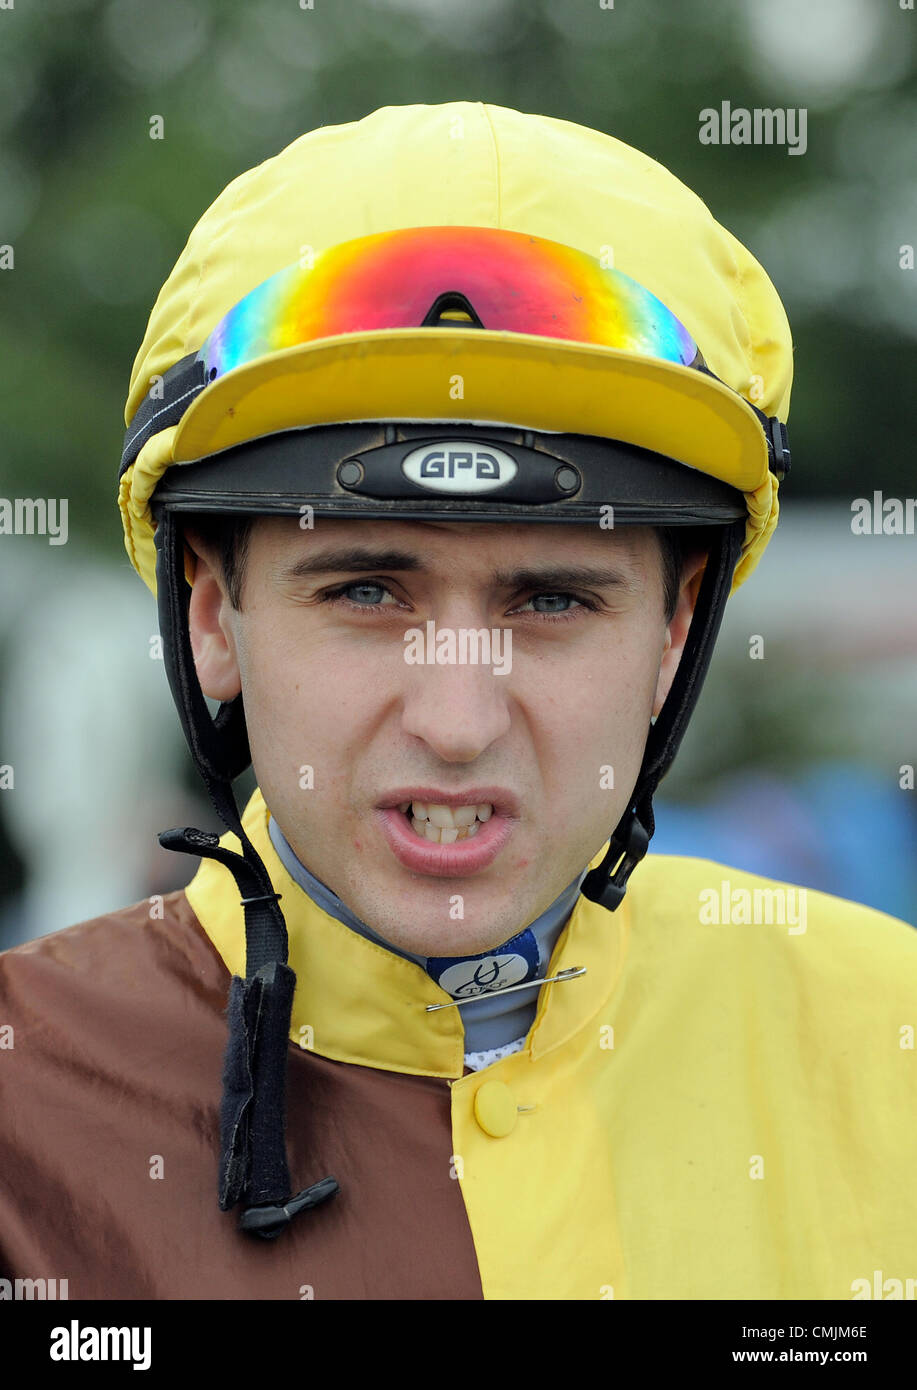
(458, 466)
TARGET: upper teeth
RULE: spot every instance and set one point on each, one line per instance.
(449, 817)
(446, 824)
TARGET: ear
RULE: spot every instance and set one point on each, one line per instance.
(677, 630)
(210, 624)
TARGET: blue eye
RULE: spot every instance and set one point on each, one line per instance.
(363, 589)
(552, 598)
(372, 589)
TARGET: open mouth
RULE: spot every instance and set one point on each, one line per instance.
(445, 825)
(428, 837)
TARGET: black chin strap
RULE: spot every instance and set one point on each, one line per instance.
(607, 884)
(253, 1160)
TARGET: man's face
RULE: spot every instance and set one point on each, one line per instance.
(554, 743)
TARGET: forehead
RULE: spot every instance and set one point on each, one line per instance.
(442, 540)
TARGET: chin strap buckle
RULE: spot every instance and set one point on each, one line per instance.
(608, 890)
(778, 448)
(270, 1218)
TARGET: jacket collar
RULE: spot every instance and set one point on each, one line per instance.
(359, 1002)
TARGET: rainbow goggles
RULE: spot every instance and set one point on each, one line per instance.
(449, 276)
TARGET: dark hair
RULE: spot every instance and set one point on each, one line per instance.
(230, 535)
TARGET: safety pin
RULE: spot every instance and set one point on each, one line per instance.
(567, 974)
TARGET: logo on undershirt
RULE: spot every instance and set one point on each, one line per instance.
(466, 977)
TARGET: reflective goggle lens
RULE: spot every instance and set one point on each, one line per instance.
(513, 282)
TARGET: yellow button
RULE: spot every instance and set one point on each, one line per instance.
(495, 1108)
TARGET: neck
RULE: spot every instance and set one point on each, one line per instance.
(491, 1018)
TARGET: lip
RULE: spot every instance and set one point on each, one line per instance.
(463, 856)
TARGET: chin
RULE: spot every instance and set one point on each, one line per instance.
(452, 939)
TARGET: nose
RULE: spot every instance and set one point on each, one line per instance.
(458, 709)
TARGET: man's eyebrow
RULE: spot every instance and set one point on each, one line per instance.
(347, 559)
(364, 560)
(556, 577)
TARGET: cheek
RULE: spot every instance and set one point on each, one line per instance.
(306, 699)
(615, 687)
(599, 718)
